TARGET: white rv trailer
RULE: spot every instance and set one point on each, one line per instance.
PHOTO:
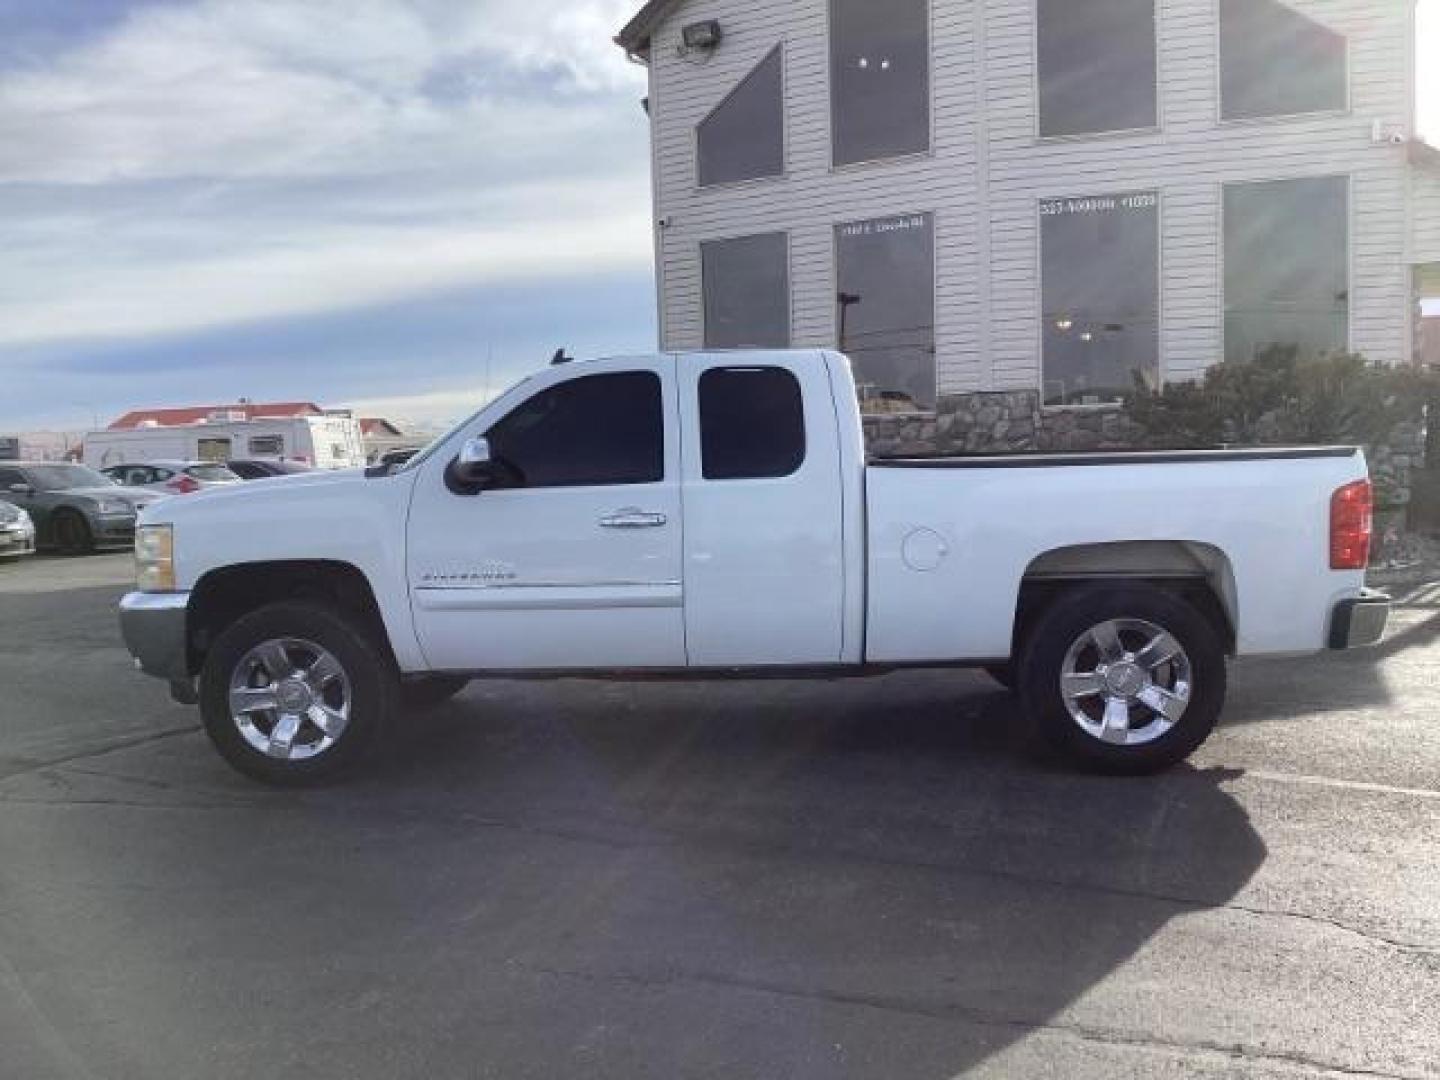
(330, 441)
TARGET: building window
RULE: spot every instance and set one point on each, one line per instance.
(752, 423)
(1274, 61)
(744, 138)
(879, 79)
(593, 431)
(1287, 278)
(747, 292)
(1100, 284)
(1096, 66)
(267, 445)
(885, 309)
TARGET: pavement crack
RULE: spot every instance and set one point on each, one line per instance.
(28, 767)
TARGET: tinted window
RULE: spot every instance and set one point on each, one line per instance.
(1096, 66)
(1275, 61)
(752, 423)
(885, 309)
(593, 430)
(1100, 288)
(267, 444)
(879, 79)
(11, 476)
(747, 292)
(744, 138)
(1286, 266)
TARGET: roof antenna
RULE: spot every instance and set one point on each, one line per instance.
(560, 358)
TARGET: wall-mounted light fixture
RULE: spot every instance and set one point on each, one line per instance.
(701, 36)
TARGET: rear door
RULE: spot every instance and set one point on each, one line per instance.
(764, 548)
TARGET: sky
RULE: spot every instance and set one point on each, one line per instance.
(393, 204)
(398, 205)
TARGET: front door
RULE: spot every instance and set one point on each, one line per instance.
(573, 560)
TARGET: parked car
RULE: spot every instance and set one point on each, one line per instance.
(17, 532)
(393, 459)
(75, 509)
(172, 477)
(261, 469)
(715, 513)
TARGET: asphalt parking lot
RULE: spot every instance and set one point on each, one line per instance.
(855, 879)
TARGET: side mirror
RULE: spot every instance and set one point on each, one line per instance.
(473, 470)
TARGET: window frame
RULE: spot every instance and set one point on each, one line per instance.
(662, 411)
(789, 288)
(783, 47)
(935, 219)
(931, 126)
(1221, 120)
(1157, 128)
(1161, 372)
(1223, 305)
(704, 477)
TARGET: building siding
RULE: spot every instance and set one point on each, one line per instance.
(987, 172)
(1425, 225)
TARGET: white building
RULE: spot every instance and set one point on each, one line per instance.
(1053, 196)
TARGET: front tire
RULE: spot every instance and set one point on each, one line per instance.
(72, 533)
(1125, 679)
(295, 693)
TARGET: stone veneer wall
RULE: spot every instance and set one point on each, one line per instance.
(1014, 422)
(1009, 422)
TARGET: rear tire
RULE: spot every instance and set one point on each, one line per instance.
(295, 694)
(1100, 641)
(72, 533)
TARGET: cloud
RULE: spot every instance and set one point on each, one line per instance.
(221, 163)
(436, 352)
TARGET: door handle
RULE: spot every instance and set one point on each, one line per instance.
(632, 518)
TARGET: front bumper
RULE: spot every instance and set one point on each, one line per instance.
(17, 540)
(154, 626)
(1359, 621)
(113, 530)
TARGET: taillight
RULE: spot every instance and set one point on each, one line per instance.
(183, 485)
(1352, 523)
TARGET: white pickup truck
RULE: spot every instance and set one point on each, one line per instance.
(708, 514)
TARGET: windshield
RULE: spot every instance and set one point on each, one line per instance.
(66, 477)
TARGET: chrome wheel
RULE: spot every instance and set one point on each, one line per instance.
(290, 699)
(1126, 682)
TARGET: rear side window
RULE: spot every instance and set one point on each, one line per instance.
(752, 423)
(593, 431)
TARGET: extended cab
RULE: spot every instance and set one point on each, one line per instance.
(702, 513)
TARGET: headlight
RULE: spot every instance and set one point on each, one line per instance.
(155, 558)
(114, 506)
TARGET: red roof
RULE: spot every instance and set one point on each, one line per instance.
(283, 410)
(374, 425)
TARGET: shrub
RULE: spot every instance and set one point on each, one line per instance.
(1282, 398)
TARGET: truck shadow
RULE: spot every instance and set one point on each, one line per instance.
(804, 868)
